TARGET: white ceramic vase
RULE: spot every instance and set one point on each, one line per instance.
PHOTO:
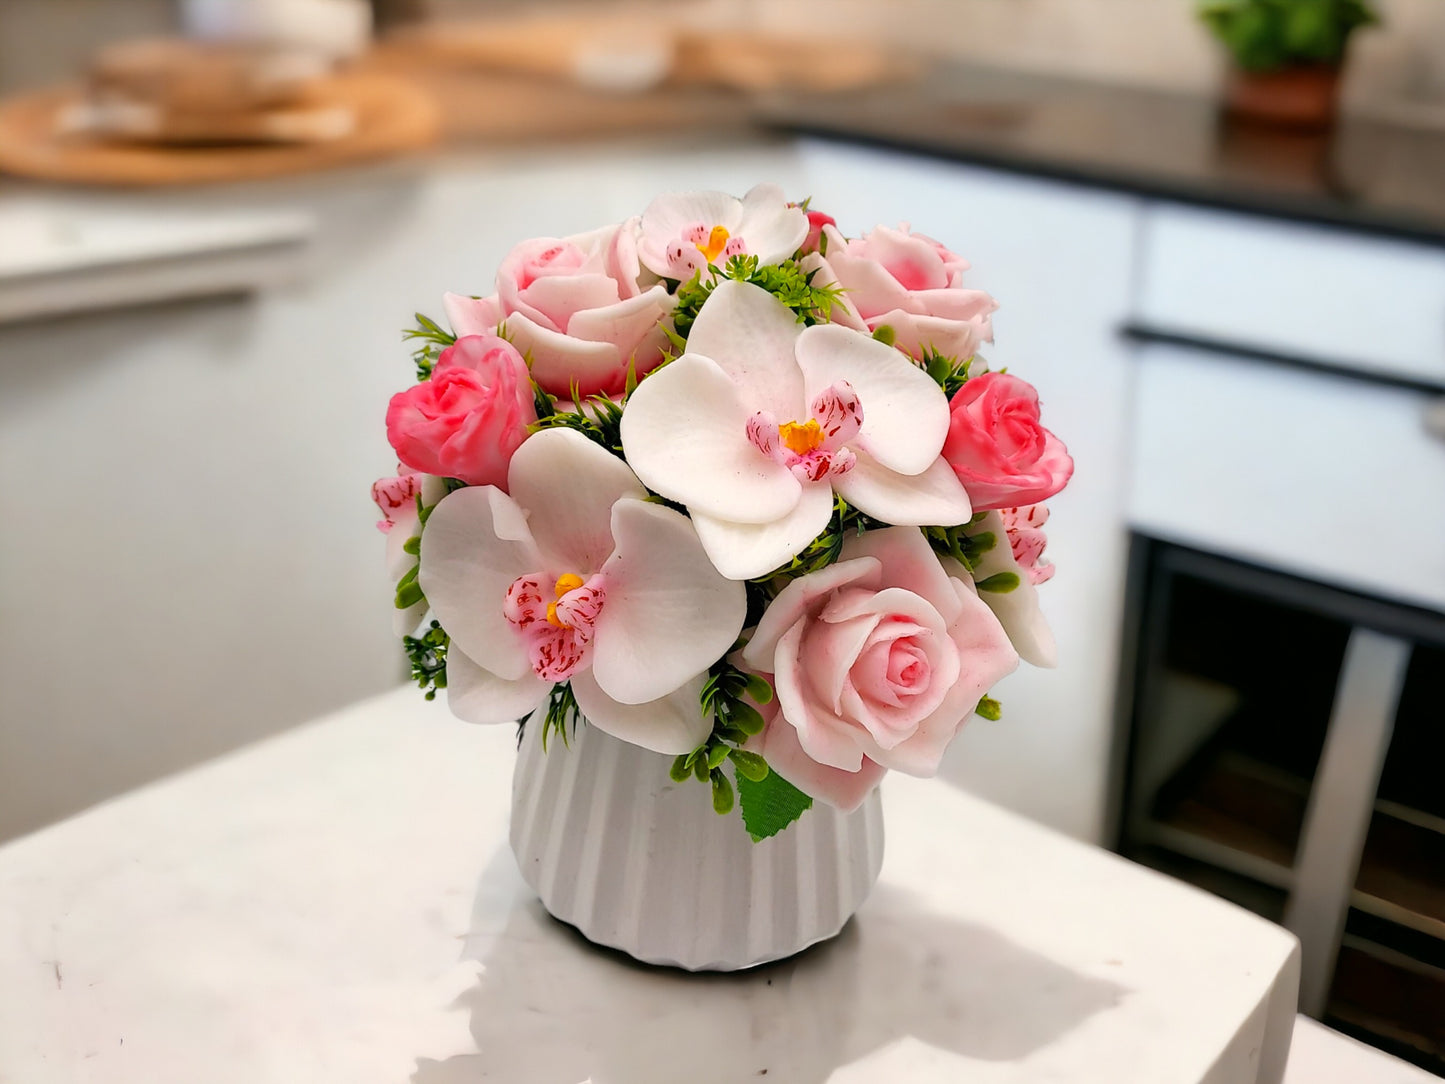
(639, 863)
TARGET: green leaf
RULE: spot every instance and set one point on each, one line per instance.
(1000, 583)
(885, 334)
(750, 766)
(722, 794)
(680, 769)
(716, 754)
(427, 654)
(989, 708)
(699, 767)
(770, 804)
(412, 545)
(746, 718)
(759, 689)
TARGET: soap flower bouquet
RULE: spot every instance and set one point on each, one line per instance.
(727, 485)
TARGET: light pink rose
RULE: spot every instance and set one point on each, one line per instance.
(579, 307)
(877, 660)
(912, 284)
(996, 445)
(469, 417)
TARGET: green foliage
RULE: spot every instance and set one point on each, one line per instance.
(597, 418)
(562, 715)
(948, 373)
(1000, 583)
(432, 339)
(1266, 34)
(825, 549)
(427, 654)
(963, 547)
(989, 708)
(770, 804)
(786, 281)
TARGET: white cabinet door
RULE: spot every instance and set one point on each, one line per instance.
(1058, 258)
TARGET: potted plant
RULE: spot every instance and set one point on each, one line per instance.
(1287, 55)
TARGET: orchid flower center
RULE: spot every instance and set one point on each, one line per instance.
(801, 438)
(814, 449)
(565, 583)
(557, 631)
(716, 243)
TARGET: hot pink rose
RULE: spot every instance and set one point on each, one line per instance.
(912, 284)
(467, 420)
(998, 449)
(578, 307)
(816, 221)
(877, 660)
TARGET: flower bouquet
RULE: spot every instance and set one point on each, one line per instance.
(731, 495)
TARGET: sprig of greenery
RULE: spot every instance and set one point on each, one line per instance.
(787, 281)
(427, 654)
(948, 373)
(989, 708)
(957, 543)
(562, 716)
(433, 339)
(596, 417)
(734, 722)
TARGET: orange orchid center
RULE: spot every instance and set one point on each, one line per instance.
(717, 240)
(801, 438)
(568, 582)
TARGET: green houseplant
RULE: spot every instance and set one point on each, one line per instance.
(1287, 54)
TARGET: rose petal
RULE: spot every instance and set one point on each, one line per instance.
(568, 485)
(905, 414)
(794, 600)
(915, 335)
(672, 724)
(476, 695)
(685, 434)
(828, 741)
(752, 336)
(743, 551)
(906, 560)
(559, 361)
(935, 498)
(669, 615)
(472, 315)
(626, 324)
(560, 297)
(845, 791)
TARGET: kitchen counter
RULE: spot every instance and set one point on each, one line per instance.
(1366, 175)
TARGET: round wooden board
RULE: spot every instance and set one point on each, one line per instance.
(393, 115)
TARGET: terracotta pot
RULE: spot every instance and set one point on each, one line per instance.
(642, 864)
(1300, 96)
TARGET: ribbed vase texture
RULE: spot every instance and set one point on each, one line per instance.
(639, 863)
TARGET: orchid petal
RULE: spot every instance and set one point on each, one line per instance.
(905, 414)
(672, 724)
(685, 432)
(752, 336)
(476, 695)
(773, 230)
(568, 485)
(476, 542)
(744, 551)
(935, 498)
(669, 615)
(1017, 610)
(669, 214)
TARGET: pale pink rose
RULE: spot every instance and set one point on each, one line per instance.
(913, 285)
(996, 445)
(877, 660)
(469, 417)
(579, 307)
(778, 744)
(1026, 539)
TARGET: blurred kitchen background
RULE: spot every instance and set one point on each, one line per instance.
(1219, 246)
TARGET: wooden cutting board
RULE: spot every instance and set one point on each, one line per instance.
(393, 116)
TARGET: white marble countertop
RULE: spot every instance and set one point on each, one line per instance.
(339, 904)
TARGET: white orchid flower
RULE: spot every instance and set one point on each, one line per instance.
(684, 232)
(574, 577)
(762, 421)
